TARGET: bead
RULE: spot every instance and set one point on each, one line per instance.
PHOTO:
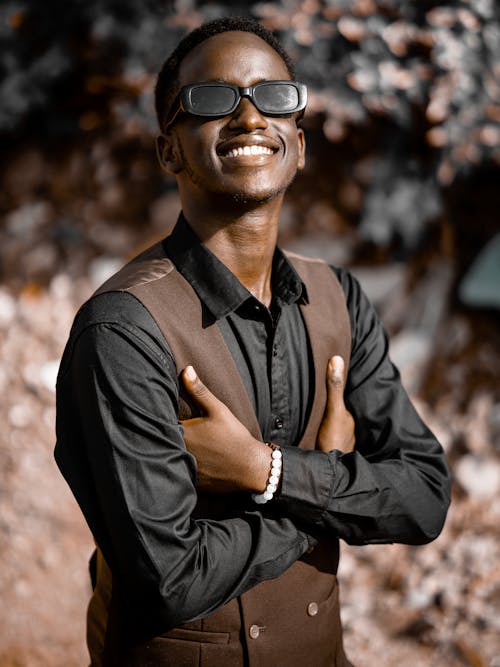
(274, 476)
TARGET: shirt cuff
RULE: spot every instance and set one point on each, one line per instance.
(306, 483)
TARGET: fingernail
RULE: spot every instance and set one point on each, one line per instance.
(338, 369)
(190, 373)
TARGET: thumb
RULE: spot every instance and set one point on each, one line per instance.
(202, 396)
(335, 380)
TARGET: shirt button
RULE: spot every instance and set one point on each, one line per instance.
(254, 631)
(278, 423)
(309, 550)
(312, 609)
(275, 350)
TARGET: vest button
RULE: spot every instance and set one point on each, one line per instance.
(278, 423)
(312, 608)
(254, 631)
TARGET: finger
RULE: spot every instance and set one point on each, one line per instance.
(202, 396)
(335, 382)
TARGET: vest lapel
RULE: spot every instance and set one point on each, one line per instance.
(202, 347)
(327, 324)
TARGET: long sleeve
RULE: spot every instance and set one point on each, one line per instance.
(121, 449)
(395, 486)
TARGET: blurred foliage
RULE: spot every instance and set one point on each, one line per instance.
(404, 100)
(405, 61)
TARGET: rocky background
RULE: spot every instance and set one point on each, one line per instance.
(401, 186)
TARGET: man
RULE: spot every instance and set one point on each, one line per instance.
(201, 420)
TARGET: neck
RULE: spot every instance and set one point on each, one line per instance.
(244, 238)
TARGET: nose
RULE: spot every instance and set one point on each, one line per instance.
(247, 116)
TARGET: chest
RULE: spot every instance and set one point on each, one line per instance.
(274, 360)
(232, 363)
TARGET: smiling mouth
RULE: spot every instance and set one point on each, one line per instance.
(248, 150)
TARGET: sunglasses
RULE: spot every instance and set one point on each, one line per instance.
(272, 98)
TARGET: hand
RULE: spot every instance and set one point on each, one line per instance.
(337, 428)
(229, 458)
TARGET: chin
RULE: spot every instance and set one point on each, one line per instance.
(259, 195)
(253, 198)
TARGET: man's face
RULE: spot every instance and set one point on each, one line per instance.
(246, 155)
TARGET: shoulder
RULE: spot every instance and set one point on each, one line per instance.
(115, 331)
(315, 273)
(113, 308)
(308, 267)
(352, 289)
(303, 259)
(117, 304)
(117, 318)
(147, 267)
(362, 313)
(319, 267)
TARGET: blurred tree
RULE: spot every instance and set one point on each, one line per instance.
(428, 67)
(405, 93)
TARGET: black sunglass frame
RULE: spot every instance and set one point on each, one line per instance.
(185, 104)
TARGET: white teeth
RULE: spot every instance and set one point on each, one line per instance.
(249, 150)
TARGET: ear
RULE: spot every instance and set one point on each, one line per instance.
(168, 155)
(301, 139)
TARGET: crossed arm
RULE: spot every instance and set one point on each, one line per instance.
(395, 485)
(399, 493)
(124, 456)
(229, 458)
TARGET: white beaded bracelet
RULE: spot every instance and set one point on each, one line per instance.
(274, 476)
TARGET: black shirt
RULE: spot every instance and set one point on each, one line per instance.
(120, 445)
(270, 347)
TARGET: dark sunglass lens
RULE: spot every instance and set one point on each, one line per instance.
(276, 98)
(212, 100)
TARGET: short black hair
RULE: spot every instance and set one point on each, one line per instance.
(168, 78)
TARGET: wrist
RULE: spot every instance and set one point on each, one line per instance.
(260, 464)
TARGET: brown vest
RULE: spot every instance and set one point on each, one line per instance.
(290, 621)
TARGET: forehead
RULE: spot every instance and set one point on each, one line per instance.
(241, 58)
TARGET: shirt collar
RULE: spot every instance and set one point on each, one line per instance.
(217, 287)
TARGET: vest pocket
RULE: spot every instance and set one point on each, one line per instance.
(197, 636)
